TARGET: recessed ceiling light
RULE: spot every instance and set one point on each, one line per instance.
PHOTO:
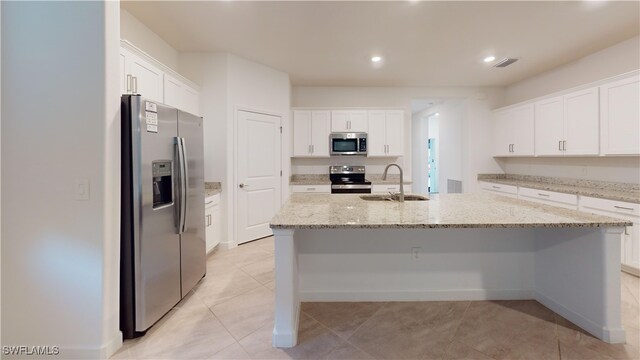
(489, 59)
(376, 59)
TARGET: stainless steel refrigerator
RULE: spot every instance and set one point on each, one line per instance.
(162, 211)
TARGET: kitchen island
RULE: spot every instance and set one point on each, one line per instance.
(452, 247)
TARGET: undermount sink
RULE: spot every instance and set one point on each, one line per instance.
(393, 197)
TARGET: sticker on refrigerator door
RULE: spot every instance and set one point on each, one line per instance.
(152, 128)
(149, 106)
(151, 118)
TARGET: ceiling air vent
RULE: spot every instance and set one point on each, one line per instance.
(505, 62)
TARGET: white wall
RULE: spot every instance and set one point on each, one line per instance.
(60, 256)
(476, 132)
(617, 59)
(229, 82)
(141, 36)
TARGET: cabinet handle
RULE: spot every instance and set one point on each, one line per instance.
(310, 189)
(564, 145)
(623, 208)
(135, 84)
(313, 149)
(496, 187)
(626, 230)
(541, 194)
(209, 202)
(309, 149)
(128, 83)
(348, 124)
(560, 145)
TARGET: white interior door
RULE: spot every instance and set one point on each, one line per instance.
(258, 169)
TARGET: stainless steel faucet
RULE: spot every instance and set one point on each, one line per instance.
(384, 177)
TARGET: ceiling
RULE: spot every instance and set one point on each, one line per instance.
(422, 43)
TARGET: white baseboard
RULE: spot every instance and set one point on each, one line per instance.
(631, 270)
(103, 352)
(436, 295)
(613, 336)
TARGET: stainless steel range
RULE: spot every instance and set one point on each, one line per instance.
(348, 180)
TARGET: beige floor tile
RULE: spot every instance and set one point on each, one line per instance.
(572, 352)
(513, 312)
(393, 334)
(347, 351)
(314, 342)
(632, 283)
(232, 352)
(579, 341)
(535, 341)
(460, 351)
(267, 243)
(246, 313)
(271, 285)
(239, 256)
(490, 337)
(343, 318)
(217, 288)
(123, 354)
(262, 270)
(183, 334)
(630, 309)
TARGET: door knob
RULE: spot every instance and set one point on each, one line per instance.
(242, 186)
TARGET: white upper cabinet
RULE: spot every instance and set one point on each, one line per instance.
(567, 124)
(143, 75)
(549, 127)
(311, 133)
(180, 95)
(349, 121)
(582, 123)
(514, 131)
(386, 133)
(620, 117)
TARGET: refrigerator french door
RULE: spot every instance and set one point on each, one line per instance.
(162, 211)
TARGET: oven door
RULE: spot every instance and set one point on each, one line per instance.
(351, 189)
(342, 146)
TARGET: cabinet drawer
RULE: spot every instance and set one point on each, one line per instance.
(549, 197)
(385, 188)
(211, 201)
(612, 206)
(325, 189)
(508, 189)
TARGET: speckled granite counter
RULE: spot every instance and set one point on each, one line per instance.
(322, 179)
(318, 211)
(212, 188)
(598, 189)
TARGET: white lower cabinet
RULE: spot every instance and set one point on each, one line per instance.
(499, 189)
(567, 201)
(212, 221)
(323, 189)
(630, 250)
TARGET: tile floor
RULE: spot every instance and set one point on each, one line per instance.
(229, 315)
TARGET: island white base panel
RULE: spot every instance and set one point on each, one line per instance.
(570, 270)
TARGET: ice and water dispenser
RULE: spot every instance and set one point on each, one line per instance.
(162, 183)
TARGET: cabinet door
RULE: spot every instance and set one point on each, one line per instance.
(377, 134)
(522, 131)
(632, 245)
(620, 117)
(395, 133)
(123, 72)
(339, 121)
(549, 126)
(582, 123)
(173, 92)
(148, 79)
(501, 133)
(191, 100)
(358, 121)
(302, 133)
(320, 130)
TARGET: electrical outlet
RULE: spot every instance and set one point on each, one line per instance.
(415, 253)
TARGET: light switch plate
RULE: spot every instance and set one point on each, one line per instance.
(81, 189)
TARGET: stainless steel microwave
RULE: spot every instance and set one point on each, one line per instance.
(348, 144)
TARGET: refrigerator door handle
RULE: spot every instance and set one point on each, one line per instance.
(181, 179)
(185, 184)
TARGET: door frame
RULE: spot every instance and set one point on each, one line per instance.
(233, 231)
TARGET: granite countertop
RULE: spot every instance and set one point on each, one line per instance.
(348, 211)
(323, 179)
(212, 188)
(597, 189)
